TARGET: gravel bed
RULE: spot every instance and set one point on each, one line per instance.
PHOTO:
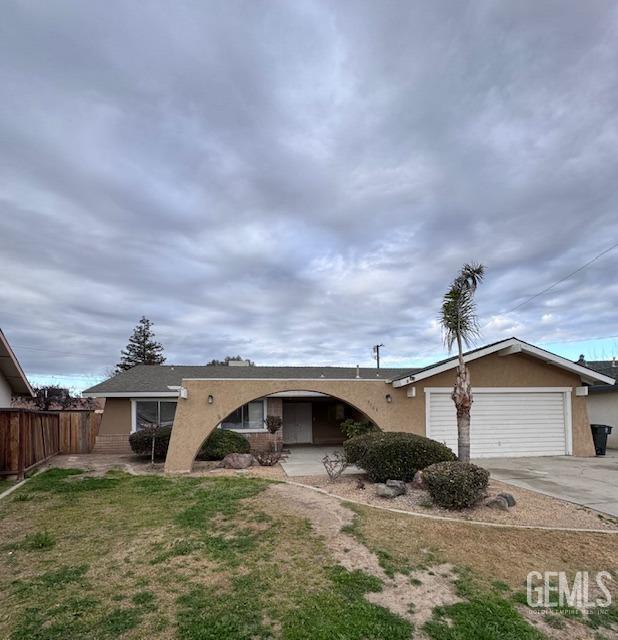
(532, 508)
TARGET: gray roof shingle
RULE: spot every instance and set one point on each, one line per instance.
(157, 378)
(608, 368)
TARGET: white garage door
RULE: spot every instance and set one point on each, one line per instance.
(522, 423)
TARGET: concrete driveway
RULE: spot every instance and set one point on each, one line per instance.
(592, 482)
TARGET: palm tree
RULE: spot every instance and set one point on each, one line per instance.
(459, 325)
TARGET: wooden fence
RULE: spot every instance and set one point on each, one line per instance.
(29, 438)
(78, 430)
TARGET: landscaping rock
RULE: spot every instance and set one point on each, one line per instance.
(499, 503)
(418, 482)
(236, 461)
(384, 491)
(509, 498)
(398, 485)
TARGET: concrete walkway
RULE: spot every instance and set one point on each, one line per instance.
(591, 482)
(306, 460)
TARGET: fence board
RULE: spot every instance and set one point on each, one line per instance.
(28, 438)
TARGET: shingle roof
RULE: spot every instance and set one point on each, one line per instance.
(157, 378)
(608, 368)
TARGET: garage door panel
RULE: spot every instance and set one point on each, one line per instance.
(504, 424)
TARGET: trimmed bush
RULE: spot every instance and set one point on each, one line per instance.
(221, 442)
(355, 448)
(218, 444)
(141, 442)
(456, 485)
(352, 428)
(394, 455)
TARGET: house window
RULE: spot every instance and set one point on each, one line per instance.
(248, 417)
(149, 412)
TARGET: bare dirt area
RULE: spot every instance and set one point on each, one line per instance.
(532, 509)
(412, 596)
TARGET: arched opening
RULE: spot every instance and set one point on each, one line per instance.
(308, 418)
(311, 412)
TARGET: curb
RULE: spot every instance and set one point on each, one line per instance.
(9, 491)
(476, 523)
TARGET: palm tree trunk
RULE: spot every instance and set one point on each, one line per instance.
(462, 397)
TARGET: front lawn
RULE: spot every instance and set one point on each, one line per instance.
(120, 556)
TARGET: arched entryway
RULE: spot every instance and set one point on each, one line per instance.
(209, 402)
(308, 418)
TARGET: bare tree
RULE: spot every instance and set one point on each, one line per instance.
(460, 326)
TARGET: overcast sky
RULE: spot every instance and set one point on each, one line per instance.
(296, 181)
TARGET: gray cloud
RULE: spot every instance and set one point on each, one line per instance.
(294, 181)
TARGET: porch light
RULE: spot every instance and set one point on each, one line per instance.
(388, 397)
(210, 399)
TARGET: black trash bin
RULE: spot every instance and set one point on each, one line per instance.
(599, 436)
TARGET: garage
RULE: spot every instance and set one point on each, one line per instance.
(505, 422)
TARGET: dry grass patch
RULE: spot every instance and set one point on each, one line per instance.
(496, 553)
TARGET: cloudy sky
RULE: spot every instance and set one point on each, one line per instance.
(296, 181)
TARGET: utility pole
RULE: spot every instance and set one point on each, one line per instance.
(376, 353)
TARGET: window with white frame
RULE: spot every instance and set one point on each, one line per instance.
(149, 412)
(249, 417)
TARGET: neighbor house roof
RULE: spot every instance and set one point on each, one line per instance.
(158, 378)
(608, 368)
(11, 369)
(505, 347)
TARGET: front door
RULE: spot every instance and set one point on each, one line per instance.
(297, 423)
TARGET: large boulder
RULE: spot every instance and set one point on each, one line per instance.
(390, 489)
(398, 485)
(236, 461)
(498, 503)
(384, 491)
(509, 498)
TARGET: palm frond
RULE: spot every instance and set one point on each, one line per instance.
(458, 313)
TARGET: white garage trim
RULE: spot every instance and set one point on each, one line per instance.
(566, 393)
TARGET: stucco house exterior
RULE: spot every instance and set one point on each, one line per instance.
(527, 402)
(13, 380)
(603, 399)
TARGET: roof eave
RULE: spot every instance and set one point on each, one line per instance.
(26, 388)
(508, 347)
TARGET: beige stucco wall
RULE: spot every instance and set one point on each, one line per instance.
(195, 417)
(603, 409)
(116, 417)
(5, 392)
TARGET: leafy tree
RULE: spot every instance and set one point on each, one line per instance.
(142, 348)
(226, 360)
(54, 397)
(460, 325)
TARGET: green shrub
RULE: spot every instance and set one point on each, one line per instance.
(221, 442)
(352, 428)
(218, 444)
(394, 455)
(456, 485)
(355, 448)
(141, 442)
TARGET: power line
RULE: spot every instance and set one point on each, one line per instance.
(555, 284)
(62, 353)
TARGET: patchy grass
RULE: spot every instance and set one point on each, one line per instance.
(497, 554)
(125, 557)
(153, 557)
